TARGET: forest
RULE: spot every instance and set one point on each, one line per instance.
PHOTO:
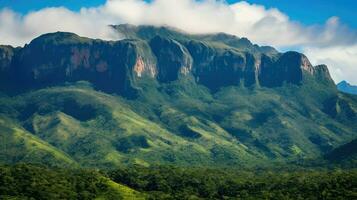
(24, 181)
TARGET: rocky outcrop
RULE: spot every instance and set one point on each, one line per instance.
(118, 66)
(321, 73)
(215, 68)
(60, 57)
(6, 57)
(289, 68)
(173, 59)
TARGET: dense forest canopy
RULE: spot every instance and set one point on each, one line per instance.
(25, 181)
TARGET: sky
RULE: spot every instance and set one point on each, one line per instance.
(314, 11)
(324, 30)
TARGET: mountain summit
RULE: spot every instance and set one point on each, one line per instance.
(160, 53)
(343, 86)
(165, 96)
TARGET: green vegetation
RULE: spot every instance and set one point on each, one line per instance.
(18, 145)
(345, 155)
(37, 182)
(169, 115)
(164, 182)
(202, 183)
(178, 122)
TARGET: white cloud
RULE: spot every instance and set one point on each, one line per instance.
(329, 42)
(17, 30)
(342, 61)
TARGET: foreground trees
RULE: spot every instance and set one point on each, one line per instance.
(181, 183)
(36, 182)
(166, 182)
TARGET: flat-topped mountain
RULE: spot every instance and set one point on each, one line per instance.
(165, 96)
(163, 54)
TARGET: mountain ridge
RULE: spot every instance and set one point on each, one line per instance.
(166, 97)
(344, 86)
(68, 57)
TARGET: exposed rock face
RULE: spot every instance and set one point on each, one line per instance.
(289, 68)
(173, 59)
(139, 66)
(216, 68)
(116, 66)
(51, 61)
(322, 74)
(6, 56)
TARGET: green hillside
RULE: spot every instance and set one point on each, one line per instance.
(344, 155)
(18, 145)
(38, 182)
(162, 96)
(75, 124)
(164, 114)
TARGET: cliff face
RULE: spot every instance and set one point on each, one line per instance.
(173, 58)
(60, 57)
(6, 56)
(172, 103)
(289, 67)
(163, 54)
(216, 68)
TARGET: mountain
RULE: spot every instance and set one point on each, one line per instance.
(345, 87)
(159, 54)
(163, 96)
(345, 155)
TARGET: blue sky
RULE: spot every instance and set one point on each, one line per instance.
(24, 6)
(314, 11)
(305, 11)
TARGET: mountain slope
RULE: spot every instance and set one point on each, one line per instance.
(112, 133)
(345, 155)
(68, 57)
(345, 87)
(164, 96)
(119, 191)
(18, 145)
(97, 129)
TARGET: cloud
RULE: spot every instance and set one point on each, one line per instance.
(16, 29)
(262, 25)
(342, 61)
(331, 42)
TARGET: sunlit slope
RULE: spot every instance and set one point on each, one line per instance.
(119, 191)
(29, 181)
(176, 123)
(18, 145)
(99, 129)
(169, 97)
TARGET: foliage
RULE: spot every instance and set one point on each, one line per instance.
(24, 181)
(178, 122)
(166, 97)
(165, 182)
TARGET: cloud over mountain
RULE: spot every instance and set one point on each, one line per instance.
(332, 42)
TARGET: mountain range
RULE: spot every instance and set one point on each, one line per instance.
(163, 96)
(345, 87)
